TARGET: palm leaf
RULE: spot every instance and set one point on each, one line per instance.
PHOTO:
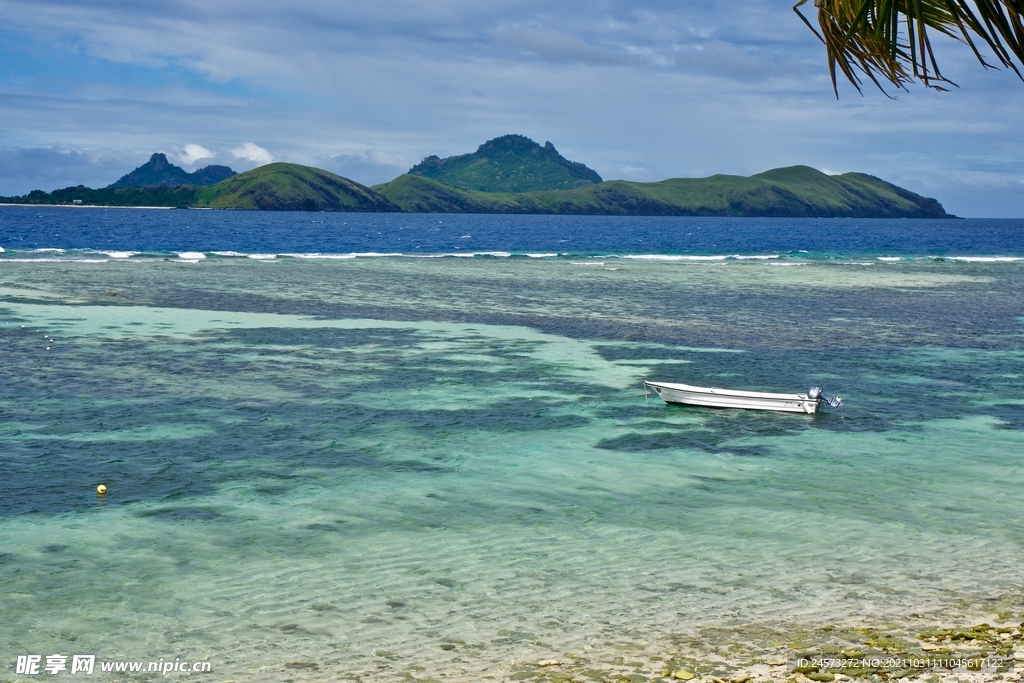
(890, 40)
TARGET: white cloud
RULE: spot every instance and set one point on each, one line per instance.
(367, 167)
(193, 153)
(556, 47)
(253, 152)
(380, 158)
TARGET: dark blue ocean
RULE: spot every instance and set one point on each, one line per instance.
(189, 230)
(336, 451)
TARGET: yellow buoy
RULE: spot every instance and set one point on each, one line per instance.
(101, 490)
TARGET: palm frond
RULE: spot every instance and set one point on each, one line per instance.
(890, 40)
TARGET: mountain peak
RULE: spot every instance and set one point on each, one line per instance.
(159, 171)
(510, 163)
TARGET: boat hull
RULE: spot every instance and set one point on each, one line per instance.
(713, 397)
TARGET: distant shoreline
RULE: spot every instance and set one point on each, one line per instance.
(92, 206)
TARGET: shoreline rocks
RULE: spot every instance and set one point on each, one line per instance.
(985, 652)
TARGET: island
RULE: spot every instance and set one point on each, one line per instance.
(511, 174)
(159, 171)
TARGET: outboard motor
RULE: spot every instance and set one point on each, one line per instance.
(815, 393)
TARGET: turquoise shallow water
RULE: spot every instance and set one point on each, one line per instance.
(445, 467)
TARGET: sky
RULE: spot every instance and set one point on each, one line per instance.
(637, 90)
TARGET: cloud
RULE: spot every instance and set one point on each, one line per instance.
(193, 153)
(738, 62)
(553, 46)
(276, 45)
(253, 152)
(380, 158)
(369, 167)
(633, 170)
(49, 168)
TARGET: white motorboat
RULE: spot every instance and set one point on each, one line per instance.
(714, 397)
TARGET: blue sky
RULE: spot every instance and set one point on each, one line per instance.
(640, 90)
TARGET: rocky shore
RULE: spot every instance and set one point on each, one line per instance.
(983, 652)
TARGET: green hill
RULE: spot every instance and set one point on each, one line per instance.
(159, 171)
(797, 191)
(416, 194)
(511, 163)
(291, 187)
(274, 187)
